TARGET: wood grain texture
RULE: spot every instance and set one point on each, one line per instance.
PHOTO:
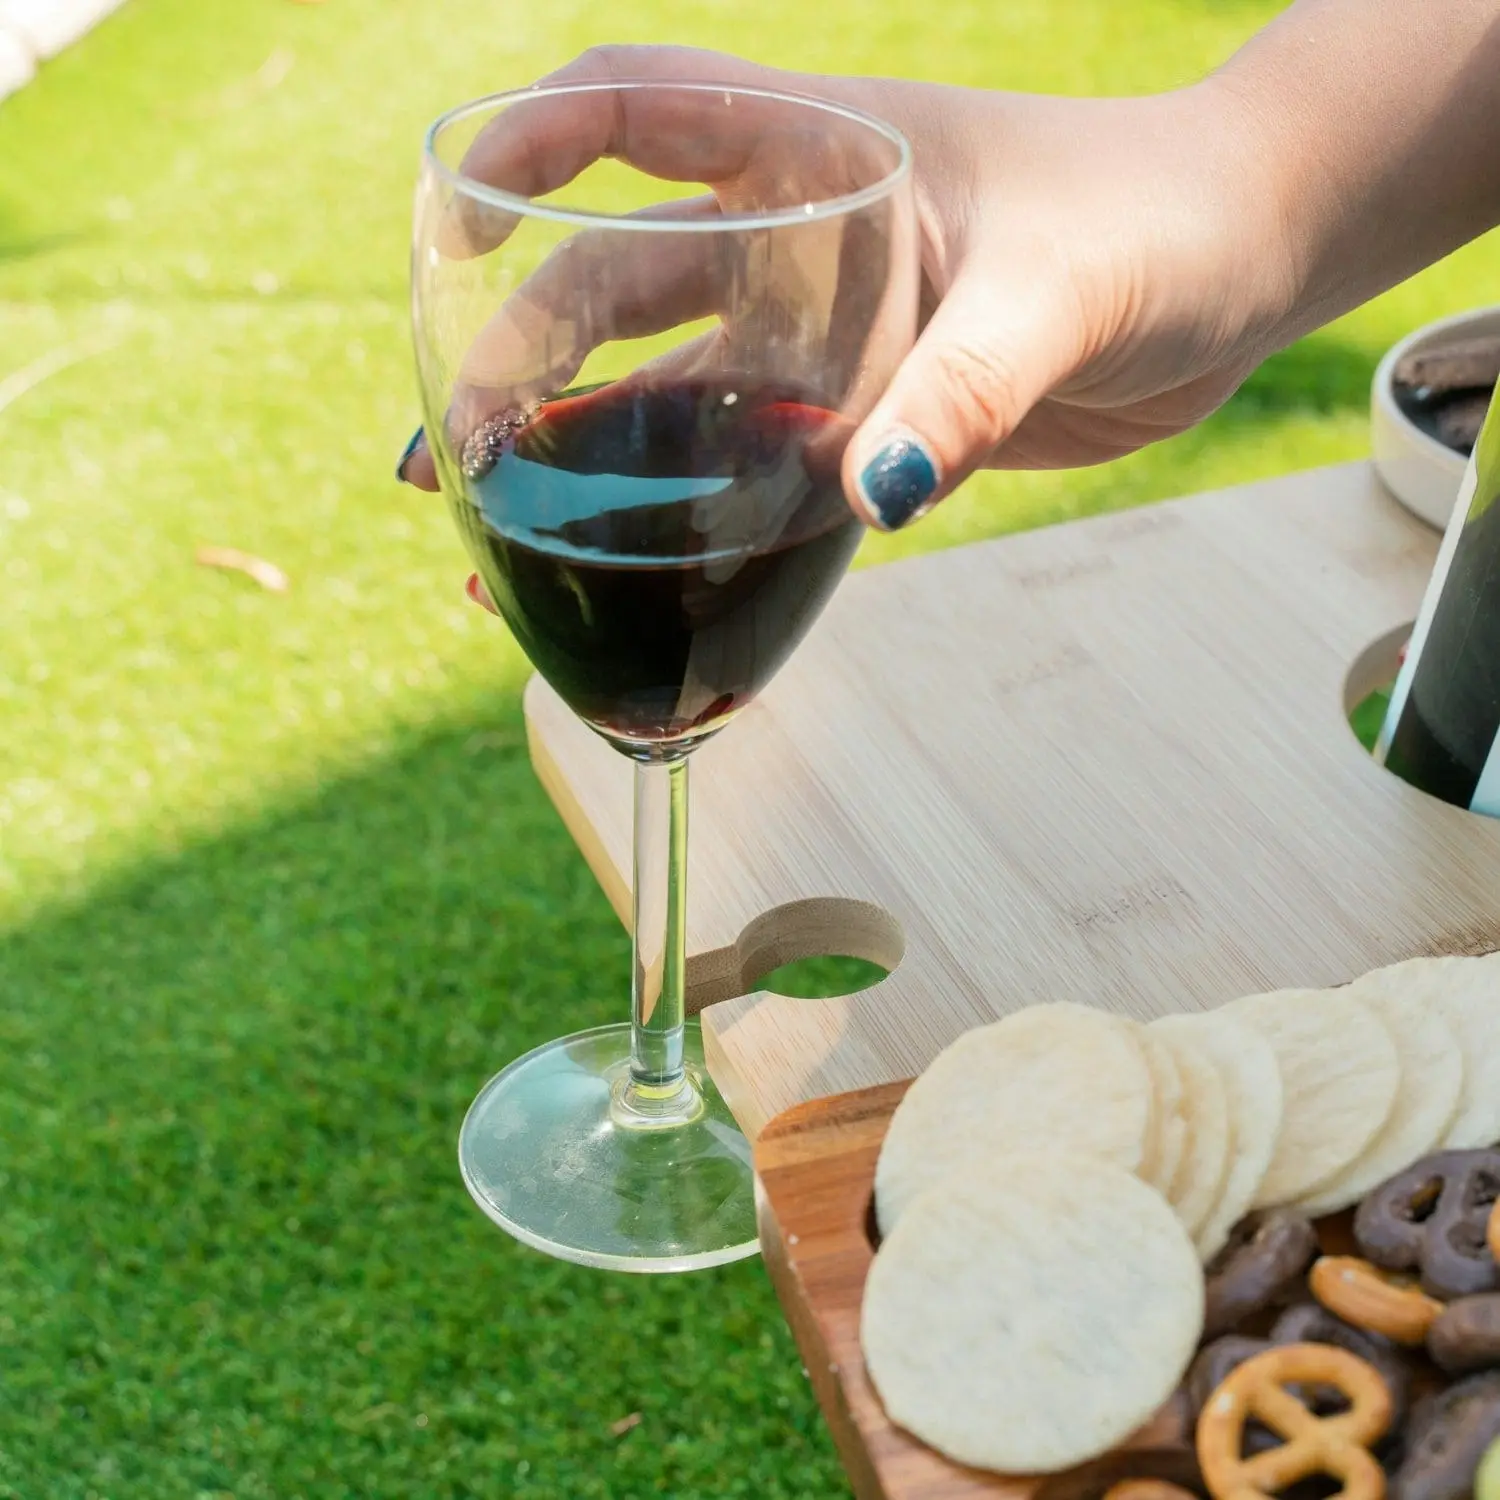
(815, 1175)
(1106, 761)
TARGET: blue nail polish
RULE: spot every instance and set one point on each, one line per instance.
(899, 482)
(417, 440)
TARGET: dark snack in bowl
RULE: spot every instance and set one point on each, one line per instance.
(1466, 1335)
(1336, 1446)
(1445, 1440)
(1433, 1218)
(1308, 1323)
(1446, 391)
(1457, 421)
(1094, 1480)
(1464, 365)
(1263, 1262)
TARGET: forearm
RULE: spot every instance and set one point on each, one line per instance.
(1377, 128)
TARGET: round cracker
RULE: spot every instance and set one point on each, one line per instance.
(1033, 1314)
(1339, 1077)
(1194, 1188)
(1167, 1142)
(1058, 1075)
(1404, 996)
(1468, 992)
(1251, 1080)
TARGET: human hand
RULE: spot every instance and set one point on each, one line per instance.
(1098, 274)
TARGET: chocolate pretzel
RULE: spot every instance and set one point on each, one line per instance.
(1263, 1261)
(1433, 1218)
(1466, 1334)
(1448, 1435)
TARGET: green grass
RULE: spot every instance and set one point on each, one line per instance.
(277, 888)
(1368, 715)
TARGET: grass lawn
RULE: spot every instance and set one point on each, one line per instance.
(277, 888)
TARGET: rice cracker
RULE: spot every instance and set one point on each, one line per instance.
(1339, 1077)
(1057, 1075)
(1032, 1314)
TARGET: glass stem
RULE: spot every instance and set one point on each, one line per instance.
(659, 1086)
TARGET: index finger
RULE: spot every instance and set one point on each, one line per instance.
(539, 145)
(696, 131)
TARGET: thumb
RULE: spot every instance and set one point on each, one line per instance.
(989, 353)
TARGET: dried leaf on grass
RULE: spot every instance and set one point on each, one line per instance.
(266, 574)
(53, 362)
(487, 739)
(271, 74)
(625, 1424)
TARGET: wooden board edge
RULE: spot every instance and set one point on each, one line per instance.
(818, 1127)
(783, 1267)
(558, 789)
(815, 1168)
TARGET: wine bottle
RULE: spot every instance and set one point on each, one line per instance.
(1442, 729)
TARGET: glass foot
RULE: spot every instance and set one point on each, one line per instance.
(554, 1153)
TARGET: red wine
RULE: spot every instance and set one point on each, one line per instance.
(659, 550)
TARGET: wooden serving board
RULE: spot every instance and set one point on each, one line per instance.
(1107, 761)
(815, 1180)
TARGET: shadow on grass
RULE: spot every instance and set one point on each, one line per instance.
(16, 243)
(235, 1254)
(12, 248)
(1321, 374)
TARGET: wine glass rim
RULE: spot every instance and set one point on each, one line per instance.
(805, 213)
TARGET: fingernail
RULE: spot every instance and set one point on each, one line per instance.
(899, 482)
(476, 591)
(418, 440)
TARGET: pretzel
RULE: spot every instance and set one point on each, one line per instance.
(1373, 1299)
(1147, 1489)
(1176, 1468)
(1337, 1445)
(1312, 1323)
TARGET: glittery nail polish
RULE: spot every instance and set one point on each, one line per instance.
(418, 440)
(899, 482)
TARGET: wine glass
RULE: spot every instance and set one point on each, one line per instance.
(638, 407)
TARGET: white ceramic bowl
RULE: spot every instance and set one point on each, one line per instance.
(1422, 473)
